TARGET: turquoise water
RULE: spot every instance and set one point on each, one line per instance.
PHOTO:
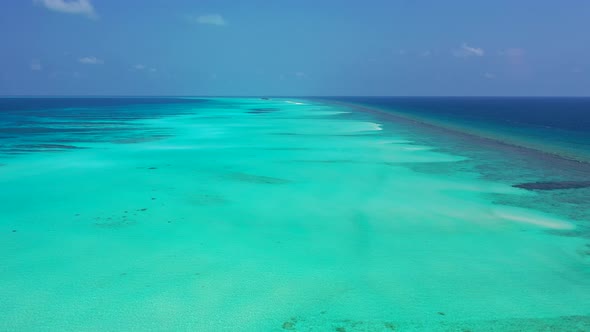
(279, 215)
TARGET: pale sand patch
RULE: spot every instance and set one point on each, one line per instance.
(532, 218)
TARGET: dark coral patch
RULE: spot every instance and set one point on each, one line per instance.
(585, 250)
(135, 140)
(290, 324)
(262, 110)
(556, 185)
(46, 147)
(251, 178)
(389, 326)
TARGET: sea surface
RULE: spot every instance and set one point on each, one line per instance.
(555, 125)
(294, 214)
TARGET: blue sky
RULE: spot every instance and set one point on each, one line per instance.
(295, 47)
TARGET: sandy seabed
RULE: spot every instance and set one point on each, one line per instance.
(277, 215)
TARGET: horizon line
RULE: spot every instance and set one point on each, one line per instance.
(279, 96)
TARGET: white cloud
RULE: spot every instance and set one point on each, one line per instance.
(36, 65)
(80, 7)
(467, 51)
(91, 60)
(144, 68)
(212, 19)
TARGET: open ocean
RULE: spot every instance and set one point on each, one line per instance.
(295, 214)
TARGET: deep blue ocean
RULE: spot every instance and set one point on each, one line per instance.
(555, 125)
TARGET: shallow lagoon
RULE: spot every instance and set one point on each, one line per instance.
(279, 215)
